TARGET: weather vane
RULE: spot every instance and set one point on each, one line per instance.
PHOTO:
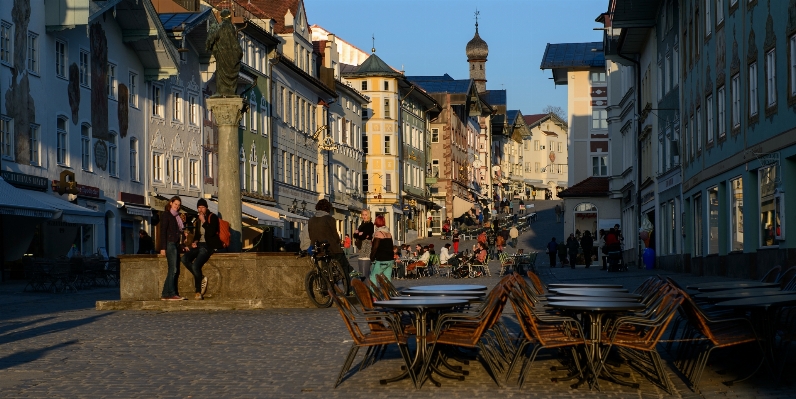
(477, 13)
(373, 49)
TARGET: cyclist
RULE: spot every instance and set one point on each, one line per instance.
(322, 227)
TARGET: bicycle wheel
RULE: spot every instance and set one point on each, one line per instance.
(340, 278)
(316, 288)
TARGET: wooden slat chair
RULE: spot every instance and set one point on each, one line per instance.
(693, 352)
(527, 262)
(387, 289)
(363, 335)
(506, 261)
(537, 283)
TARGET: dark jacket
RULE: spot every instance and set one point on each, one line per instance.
(382, 249)
(169, 230)
(366, 231)
(572, 245)
(322, 227)
(587, 243)
(145, 245)
(211, 231)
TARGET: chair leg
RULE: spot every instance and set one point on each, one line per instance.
(352, 354)
(526, 368)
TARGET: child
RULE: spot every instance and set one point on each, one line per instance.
(456, 241)
(396, 255)
(347, 245)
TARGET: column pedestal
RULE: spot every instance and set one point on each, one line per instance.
(227, 114)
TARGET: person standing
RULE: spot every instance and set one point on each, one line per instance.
(145, 244)
(562, 253)
(558, 213)
(455, 236)
(572, 248)
(347, 245)
(322, 227)
(587, 243)
(171, 227)
(204, 244)
(364, 239)
(381, 253)
(491, 240)
(552, 247)
(522, 206)
(513, 234)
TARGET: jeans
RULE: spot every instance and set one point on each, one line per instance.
(173, 273)
(194, 260)
(381, 267)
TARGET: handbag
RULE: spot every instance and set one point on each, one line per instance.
(358, 243)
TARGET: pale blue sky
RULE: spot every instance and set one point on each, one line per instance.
(428, 37)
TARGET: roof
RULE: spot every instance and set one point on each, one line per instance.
(276, 10)
(494, 97)
(374, 66)
(511, 115)
(347, 68)
(173, 20)
(573, 55)
(453, 86)
(431, 78)
(531, 119)
(591, 187)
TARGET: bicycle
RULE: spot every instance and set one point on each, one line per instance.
(326, 274)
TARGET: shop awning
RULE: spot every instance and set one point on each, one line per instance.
(282, 214)
(136, 209)
(461, 206)
(263, 218)
(190, 203)
(16, 202)
(70, 213)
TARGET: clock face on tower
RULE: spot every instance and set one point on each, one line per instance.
(552, 156)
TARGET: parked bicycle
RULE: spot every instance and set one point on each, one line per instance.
(326, 274)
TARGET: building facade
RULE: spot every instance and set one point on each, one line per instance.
(545, 155)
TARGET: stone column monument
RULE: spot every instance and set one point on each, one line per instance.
(226, 107)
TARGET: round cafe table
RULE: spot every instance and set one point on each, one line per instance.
(593, 293)
(717, 296)
(454, 295)
(579, 285)
(421, 307)
(446, 287)
(422, 293)
(730, 285)
(590, 298)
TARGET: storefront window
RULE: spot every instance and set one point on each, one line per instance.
(769, 217)
(736, 214)
(713, 220)
(698, 227)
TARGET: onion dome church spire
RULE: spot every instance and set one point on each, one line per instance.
(477, 52)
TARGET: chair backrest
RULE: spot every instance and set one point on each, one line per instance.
(504, 258)
(537, 282)
(363, 293)
(785, 277)
(386, 286)
(377, 292)
(695, 317)
(771, 275)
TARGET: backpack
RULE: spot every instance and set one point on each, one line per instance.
(223, 232)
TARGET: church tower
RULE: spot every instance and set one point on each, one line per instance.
(477, 51)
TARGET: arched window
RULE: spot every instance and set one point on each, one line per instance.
(586, 207)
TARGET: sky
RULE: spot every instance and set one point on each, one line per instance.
(428, 37)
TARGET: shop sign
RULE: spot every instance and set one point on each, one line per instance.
(20, 180)
(132, 198)
(83, 191)
(647, 197)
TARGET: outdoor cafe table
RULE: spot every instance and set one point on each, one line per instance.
(421, 307)
(763, 308)
(718, 296)
(421, 293)
(730, 285)
(596, 310)
(579, 285)
(451, 287)
(594, 293)
(589, 298)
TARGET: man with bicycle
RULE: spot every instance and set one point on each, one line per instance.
(322, 227)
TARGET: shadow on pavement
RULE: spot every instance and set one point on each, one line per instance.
(28, 356)
(48, 329)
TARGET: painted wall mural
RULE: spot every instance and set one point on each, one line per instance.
(123, 109)
(74, 91)
(18, 101)
(99, 84)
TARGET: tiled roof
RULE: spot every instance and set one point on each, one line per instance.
(494, 97)
(511, 116)
(276, 10)
(460, 86)
(573, 55)
(431, 78)
(531, 119)
(591, 187)
(374, 66)
(347, 68)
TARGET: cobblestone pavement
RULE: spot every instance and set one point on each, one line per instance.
(56, 345)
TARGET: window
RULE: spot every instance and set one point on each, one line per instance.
(736, 214)
(113, 155)
(85, 69)
(597, 77)
(157, 102)
(661, 79)
(133, 159)
(33, 53)
(536, 167)
(176, 176)
(253, 118)
(721, 114)
(536, 145)
(753, 89)
(85, 146)
(735, 93)
(792, 66)
(713, 220)
(771, 79)
(157, 167)
(709, 116)
(675, 66)
(296, 171)
(290, 119)
(209, 164)
(599, 119)
(264, 168)
(599, 166)
(5, 42)
(133, 87)
(111, 80)
(698, 223)
(61, 141)
(253, 174)
(435, 135)
(708, 20)
(34, 142)
(770, 218)
(388, 182)
(176, 112)
(6, 138)
(387, 108)
(667, 73)
(193, 173)
(435, 168)
(386, 85)
(698, 129)
(364, 85)
(60, 59)
(282, 110)
(193, 110)
(387, 145)
(719, 11)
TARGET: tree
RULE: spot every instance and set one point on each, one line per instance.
(556, 110)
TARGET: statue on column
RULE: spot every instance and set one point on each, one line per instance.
(222, 42)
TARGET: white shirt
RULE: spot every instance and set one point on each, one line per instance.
(444, 255)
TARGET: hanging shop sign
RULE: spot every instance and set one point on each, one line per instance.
(21, 180)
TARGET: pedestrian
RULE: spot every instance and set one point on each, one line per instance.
(323, 228)
(562, 253)
(522, 206)
(552, 247)
(558, 213)
(347, 245)
(204, 244)
(603, 251)
(455, 236)
(381, 252)
(587, 243)
(511, 207)
(145, 243)
(500, 243)
(171, 227)
(364, 241)
(446, 228)
(514, 233)
(491, 240)
(572, 248)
